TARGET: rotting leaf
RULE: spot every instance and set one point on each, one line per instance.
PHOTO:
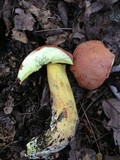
(23, 20)
(111, 108)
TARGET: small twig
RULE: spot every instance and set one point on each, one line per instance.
(24, 114)
(95, 128)
(23, 99)
(100, 138)
(93, 102)
(54, 29)
(8, 145)
(90, 127)
(32, 103)
(96, 120)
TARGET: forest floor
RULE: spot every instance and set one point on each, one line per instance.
(25, 109)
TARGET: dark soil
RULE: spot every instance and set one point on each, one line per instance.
(25, 109)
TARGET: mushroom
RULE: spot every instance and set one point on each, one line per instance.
(92, 64)
(64, 112)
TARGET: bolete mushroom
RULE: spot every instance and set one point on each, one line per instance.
(64, 112)
(92, 64)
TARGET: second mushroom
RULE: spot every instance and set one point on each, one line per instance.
(64, 112)
(92, 64)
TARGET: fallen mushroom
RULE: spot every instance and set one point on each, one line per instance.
(92, 64)
(64, 112)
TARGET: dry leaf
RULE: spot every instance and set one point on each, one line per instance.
(91, 8)
(19, 36)
(34, 9)
(42, 13)
(7, 14)
(23, 20)
(73, 152)
(111, 108)
(116, 68)
(9, 105)
(115, 91)
(63, 13)
(78, 34)
(56, 39)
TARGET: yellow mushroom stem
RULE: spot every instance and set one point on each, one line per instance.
(64, 115)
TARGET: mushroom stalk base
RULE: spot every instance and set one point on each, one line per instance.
(64, 116)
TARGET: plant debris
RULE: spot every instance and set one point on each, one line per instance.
(111, 108)
(19, 36)
(23, 20)
(9, 105)
(25, 109)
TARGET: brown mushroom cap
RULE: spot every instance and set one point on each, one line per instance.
(92, 63)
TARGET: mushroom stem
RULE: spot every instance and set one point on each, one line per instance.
(64, 115)
(64, 112)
